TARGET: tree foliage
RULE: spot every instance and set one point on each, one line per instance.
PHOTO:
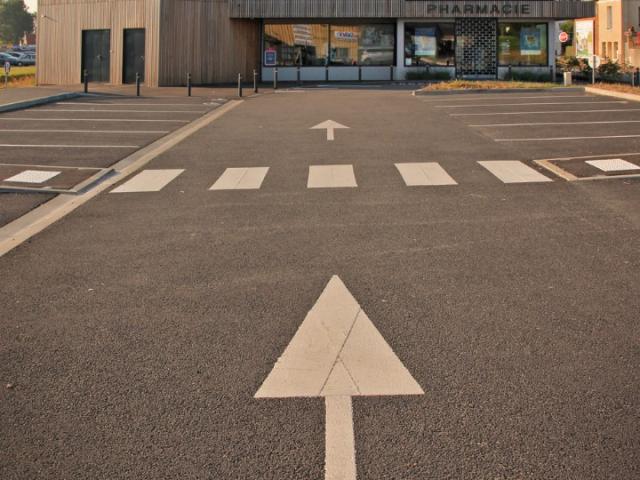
(15, 20)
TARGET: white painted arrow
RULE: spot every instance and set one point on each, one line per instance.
(329, 126)
(337, 353)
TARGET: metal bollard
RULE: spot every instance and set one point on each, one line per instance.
(359, 73)
(326, 73)
(137, 84)
(255, 81)
(551, 74)
(188, 84)
(391, 72)
(299, 76)
(239, 85)
(509, 74)
(275, 78)
(85, 79)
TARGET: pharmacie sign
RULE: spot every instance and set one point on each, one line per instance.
(477, 8)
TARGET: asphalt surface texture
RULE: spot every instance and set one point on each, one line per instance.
(136, 330)
(95, 131)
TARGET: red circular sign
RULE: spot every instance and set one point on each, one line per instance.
(564, 37)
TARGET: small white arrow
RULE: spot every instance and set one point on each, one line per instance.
(329, 126)
(337, 353)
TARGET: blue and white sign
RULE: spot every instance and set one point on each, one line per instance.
(530, 41)
(270, 57)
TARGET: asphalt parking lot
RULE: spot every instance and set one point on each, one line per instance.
(86, 133)
(145, 326)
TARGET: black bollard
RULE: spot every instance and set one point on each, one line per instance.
(137, 84)
(275, 78)
(85, 79)
(239, 85)
(255, 81)
(188, 84)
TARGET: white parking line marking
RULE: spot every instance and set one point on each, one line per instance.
(241, 179)
(331, 176)
(555, 139)
(526, 104)
(119, 132)
(514, 172)
(555, 112)
(133, 104)
(32, 176)
(148, 181)
(540, 124)
(93, 110)
(31, 119)
(613, 165)
(423, 174)
(7, 145)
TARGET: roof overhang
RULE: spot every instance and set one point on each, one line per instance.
(319, 9)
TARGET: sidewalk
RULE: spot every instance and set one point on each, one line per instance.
(224, 91)
(13, 95)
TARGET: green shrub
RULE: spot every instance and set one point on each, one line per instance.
(530, 76)
(428, 75)
(610, 69)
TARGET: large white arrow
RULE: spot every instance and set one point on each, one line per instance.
(329, 126)
(337, 353)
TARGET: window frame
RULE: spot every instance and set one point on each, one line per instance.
(529, 65)
(330, 24)
(427, 23)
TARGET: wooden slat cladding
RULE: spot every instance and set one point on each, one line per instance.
(198, 36)
(411, 8)
(59, 41)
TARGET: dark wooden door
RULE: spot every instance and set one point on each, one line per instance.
(133, 55)
(96, 58)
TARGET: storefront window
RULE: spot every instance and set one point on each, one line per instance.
(362, 44)
(295, 44)
(523, 44)
(429, 44)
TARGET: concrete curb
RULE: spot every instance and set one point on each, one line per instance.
(10, 107)
(420, 93)
(609, 93)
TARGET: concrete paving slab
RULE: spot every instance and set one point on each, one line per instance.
(331, 176)
(514, 172)
(148, 181)
(241, 179)
(424, 174)
(614, 165)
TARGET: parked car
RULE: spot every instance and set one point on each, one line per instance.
(24, 58)
(5, 57)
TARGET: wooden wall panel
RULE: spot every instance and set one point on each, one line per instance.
(198, 36)
(59, 41)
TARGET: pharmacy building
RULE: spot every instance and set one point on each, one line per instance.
(213, 41)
